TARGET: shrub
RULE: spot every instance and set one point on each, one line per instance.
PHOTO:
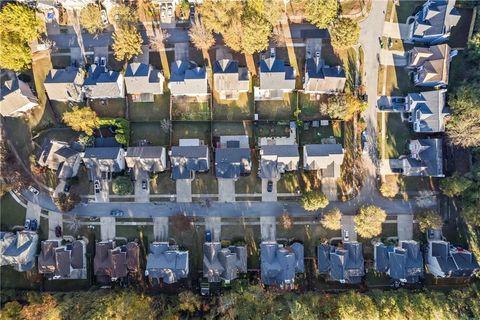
(122, 186)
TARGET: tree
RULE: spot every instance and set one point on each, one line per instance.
(463, 128)
(200, 36)
(221, 15)
(256, 28)
(122, 186)
(14, 56)
(157, 41)
(123, 15)
(368, 221)
(91, 20)
(474, 47)
(321, 13)
(332, 219)
(471, 213)
(81, 119)
(286, 221)
(314, 200)
(189, 302)
(273, 10)
(66, 202)
(337, 107)
(184, 9)
(353, 105)
(181, 222)
(127, 43)
(454, 185)
(344, 33)
(428, 219)
(390, 187)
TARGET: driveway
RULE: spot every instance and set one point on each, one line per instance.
(396, 30)
(226, 190)
(269, 196)
(107, 228)
(313, 45)
(329, 188)
(214, 225)
(33, 211)
(348, 225)
(184, 190)
(393, 58)
(405, 227)
(268, 228)
(54, 219)
(181, 51)
(103, 195)
(142, 195)
(160, 228)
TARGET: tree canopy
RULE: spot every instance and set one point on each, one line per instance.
(344, 33)
(321, 13)
(91, 20)
(314, 200)
(123, 15)
(368, 221)
(122, 186)
(332, 219)
(81, 119)
(201, 37)
(428, 219)
(66, 202)
(127, 43)
(454, 185)
(286, 221)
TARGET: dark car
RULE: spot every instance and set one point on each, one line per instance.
(269, 185)
(58, 231)
(117, 213)
(208, 236)
(397, 170)
(66, 188)
(144, 184)
(34, 225)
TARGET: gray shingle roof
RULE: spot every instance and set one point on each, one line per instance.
(148, 158)
(230, 163)
(64, 84)
(115, 262)
(426, 158)
(276, 159)
(326, 157)
(102, 84)
(15, 96)
(404, 263)
(228, 76)
(435, 18)
(186, 79)
(166, 264)
(430, 106)
(432, 64)
(186, 160)
(61, 157)
(18, 249)
(322, 78)
(274, 74)
(344, 265)
(143, 78)
(452, 261)
(102, 153)
(223, 263)
(279, 265)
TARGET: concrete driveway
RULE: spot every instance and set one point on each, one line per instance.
(181, 51)
(54, 219)
(102, 196)
(214, 225)
(184, 190)
(33, 211)
(160, 228)
(396, 30)
(269, 196)
(268, 228)
(107, 228)
(405, 227)
(393, 58)
(349, 225)
(142, 195)
(329, 188)
(226, 190)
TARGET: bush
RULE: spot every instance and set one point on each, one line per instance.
(122, 129)
(122, 186)
(332, 220)
(368, 221)
(314, 200)
(428, 219)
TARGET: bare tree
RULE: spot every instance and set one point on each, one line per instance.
(73, 224)
(157, 41)
(201, 37)
(166, 125)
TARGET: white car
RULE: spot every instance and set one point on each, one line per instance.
(104, 17)
(103, 62)
(33, 190)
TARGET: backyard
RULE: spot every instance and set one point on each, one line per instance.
(109, 108)
(317, 135)
(222, 128)
(277, 109)
(313, 109)
(233, 110)
(191, 130)
(11, 213)
(157, 110)
(186, 108)
(151, 132)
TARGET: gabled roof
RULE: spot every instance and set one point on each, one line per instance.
(435, 18)
(62, 261)
(187, 79)
(148, 158)
(326, 157)
(64, 84)
(223, 263)
(432, 63)
(230, 163)
(431, 105)
(102, 83)
(143, 78)
(228, 76)
(18, 249)
(280, 264)
(275, 75)
(426, 158)
(166, 264)
(322, 78)
(107, 153)
(188, 159)
(342, 264)
(403, 263)
(15, 96)
(276, 159)
(59, 156)
(115, 262)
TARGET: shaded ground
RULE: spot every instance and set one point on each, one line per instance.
(233, 110)
(150, 131)
(398, 81)
(110, 108)
(397, 136)
(150, 111)
(315, 135)
(191, 108)
(11, 213)
(163, 184)
(205, 183)
(232, 128)
(277, 109)
(191, 130)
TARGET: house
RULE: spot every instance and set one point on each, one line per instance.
(447, 261)
(143, 82)
(103, 84)
(223, 263)
(325, 157)
(114, 262)
(277, 159)
(279, 264)
(345, 265)
(425, 159)
(430, 65)
(233, 158)
(68, 261)
(104, 161)
(65, 84)
(146, 158)
(320, 78)
(16, 97)
(276, 79)
(18, 249)
(166, 264)
(229, 79)
(429, 110)
(60, 156)
(434, 22)
(188, 158)
(187, 79)
(403, 263)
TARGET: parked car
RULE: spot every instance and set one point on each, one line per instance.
(103, 62)
(144, 185)
(346, 235)
(208, 236)
(27, 224)
(66, 189)
(397, 170)
(58, 231)
(34, 225)
(33, 190)
(96, 184)
(117, 213)
(269, 185)
(170, 11)
(104, 17)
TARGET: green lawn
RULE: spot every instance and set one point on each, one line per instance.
(205, 183)
(191, 109)
(191, 130)
(397, 136)
(398, 81)
(272, 129)
(113, 108)
(150, 111)
(405, 9)
(315, 135)
(233, 110)
(150, 131)
(11, 213)
(224, 128)
(313, 109)
(163, 184)
(277, 109)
